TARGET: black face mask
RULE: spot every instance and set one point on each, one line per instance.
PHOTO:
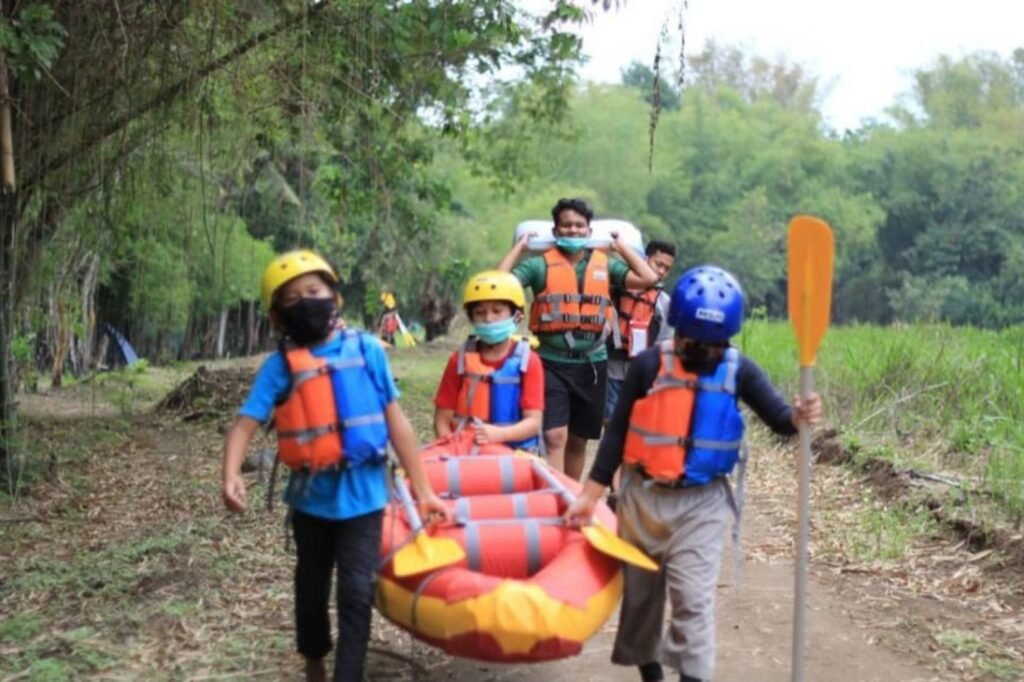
(309, 319)
(697, 358)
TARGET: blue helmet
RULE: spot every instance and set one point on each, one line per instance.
(707, 305)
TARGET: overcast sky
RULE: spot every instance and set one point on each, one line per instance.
(864, 51)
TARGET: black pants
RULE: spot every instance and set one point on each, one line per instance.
(352, 546)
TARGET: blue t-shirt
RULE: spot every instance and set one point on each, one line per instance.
(330, 494)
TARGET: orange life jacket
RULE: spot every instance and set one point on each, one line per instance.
(307, 421)
(562, 307)
(333, 414)
(637, 307)
(669, 433)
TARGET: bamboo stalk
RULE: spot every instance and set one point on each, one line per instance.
(6, 137)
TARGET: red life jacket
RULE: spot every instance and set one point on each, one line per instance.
(562, 307)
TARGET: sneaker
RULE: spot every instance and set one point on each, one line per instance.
(651, 672)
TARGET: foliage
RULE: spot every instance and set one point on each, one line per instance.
(931, 396)
(31, 40)
(643, 78)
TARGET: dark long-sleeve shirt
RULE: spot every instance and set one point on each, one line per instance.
(752, 387)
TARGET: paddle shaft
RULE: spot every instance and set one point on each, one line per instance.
(803, 532)
(553, 482)
(402, 487)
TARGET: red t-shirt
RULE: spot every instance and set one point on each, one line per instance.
(531, 388)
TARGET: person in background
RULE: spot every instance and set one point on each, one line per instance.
(643, 320)
(571, 315)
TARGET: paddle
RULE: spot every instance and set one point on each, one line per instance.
(809, 296)
(407, 336)
(600, 537)
(424, 553)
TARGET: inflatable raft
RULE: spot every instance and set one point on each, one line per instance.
(528, 589)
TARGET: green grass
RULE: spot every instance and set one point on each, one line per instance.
(883, 532)
(418, 371)
(924, 395)
(984, 657)
(112, 572)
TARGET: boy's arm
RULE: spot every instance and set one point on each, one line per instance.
(403, 438)
(443, 421)
(447, 396)
(514, 253)
(641, 276)
(236, 443)
(757, 391)
(527, 427)
(639, 377)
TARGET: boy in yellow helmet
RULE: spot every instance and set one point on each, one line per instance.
(494, 383)
(335, 408)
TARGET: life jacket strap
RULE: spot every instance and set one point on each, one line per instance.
(653, 438)
(304, 436)
(364, 420)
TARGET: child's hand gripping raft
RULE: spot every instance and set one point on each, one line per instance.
(335, 408)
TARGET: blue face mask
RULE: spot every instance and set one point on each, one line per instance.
(571, 244)
(495, 332)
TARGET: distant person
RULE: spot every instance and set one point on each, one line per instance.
(494, 384)
(676, 434)
(335, 407)
(572, 315)
(643, 319)
(387, 321)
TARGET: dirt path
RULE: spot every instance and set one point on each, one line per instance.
(129, 565)
(754, 638)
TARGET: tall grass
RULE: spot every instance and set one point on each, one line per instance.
(929, 395)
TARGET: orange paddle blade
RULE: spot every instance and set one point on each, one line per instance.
(810, 283)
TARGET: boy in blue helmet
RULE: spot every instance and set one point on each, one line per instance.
(676, 433)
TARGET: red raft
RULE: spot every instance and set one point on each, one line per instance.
(529, 589)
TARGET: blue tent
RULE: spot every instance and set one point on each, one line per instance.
(120, 352)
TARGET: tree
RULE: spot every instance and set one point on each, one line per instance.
(349, 96)
(642, 77)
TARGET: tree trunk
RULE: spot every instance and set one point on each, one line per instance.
(222, 327)
(250, 326)
(83, 356)
(8, 222)
(8, 423)
(185, 349)
(60, 341)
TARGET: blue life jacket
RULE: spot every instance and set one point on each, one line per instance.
(716, 428)
(504, 384)
(364, 428)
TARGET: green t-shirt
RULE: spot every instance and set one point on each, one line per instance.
(533, 273)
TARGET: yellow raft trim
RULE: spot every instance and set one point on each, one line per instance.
(518, 614)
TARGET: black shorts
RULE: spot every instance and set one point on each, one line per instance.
(574, 396)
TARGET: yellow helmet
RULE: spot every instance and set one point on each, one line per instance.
(388, 300)
(494, 285)
(287, 267)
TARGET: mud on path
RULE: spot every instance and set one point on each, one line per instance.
(125, 566)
